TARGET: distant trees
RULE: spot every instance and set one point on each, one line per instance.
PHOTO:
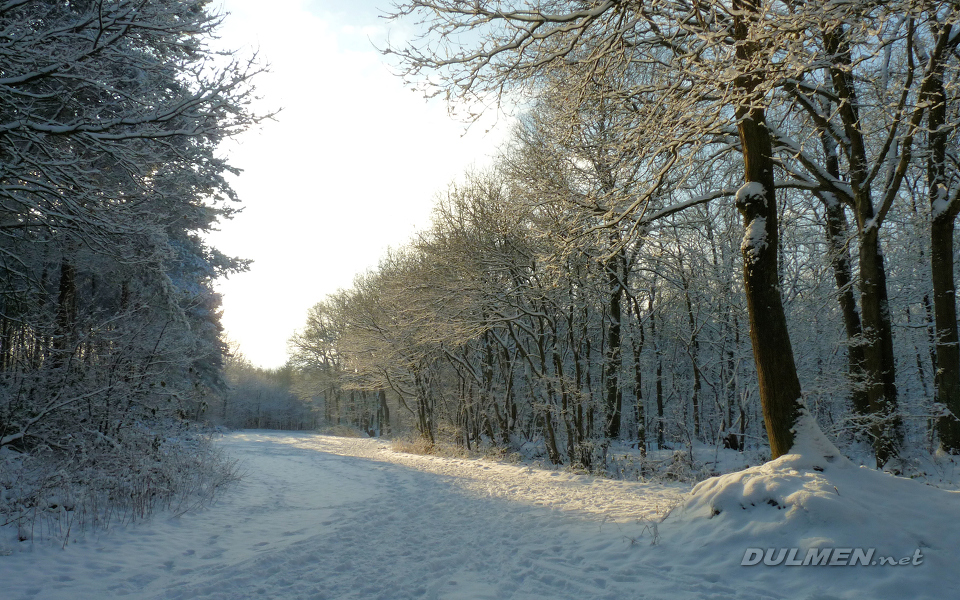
(494, 326)
(110, 116)
(256, 398)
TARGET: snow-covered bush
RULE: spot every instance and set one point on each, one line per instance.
(95, 483)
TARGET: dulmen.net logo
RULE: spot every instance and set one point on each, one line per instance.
(825, 557)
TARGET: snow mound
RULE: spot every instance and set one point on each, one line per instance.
(803, 484)
(814, 498)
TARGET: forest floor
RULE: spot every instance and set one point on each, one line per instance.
(323, 517)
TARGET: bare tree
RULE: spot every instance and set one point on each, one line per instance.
(520, 44)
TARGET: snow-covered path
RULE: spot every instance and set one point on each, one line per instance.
(310, 520)
(322, 517)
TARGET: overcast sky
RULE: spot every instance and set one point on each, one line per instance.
(351, 165)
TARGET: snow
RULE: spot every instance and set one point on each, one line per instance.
(751, 189)
(941, 205)
(754, 238)
(755, 234)
(830, 199)
(326, 517)
(814, 497)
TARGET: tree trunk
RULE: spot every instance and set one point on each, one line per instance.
(779, 385)
(612, 364)
(659, 369)
(66, 332)
(384, 412)
(836, 231)
(947, 379)
(879, 366)
(693, 351)
(836, 227)
(639, 411)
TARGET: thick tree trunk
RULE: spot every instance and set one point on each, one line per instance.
(948, 351)
(779, 385)
(947, 380)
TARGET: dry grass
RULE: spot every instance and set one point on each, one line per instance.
(346, 431)
(413, 444)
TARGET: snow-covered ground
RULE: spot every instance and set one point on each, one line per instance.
(326, 517)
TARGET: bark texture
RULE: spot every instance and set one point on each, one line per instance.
(779, 385)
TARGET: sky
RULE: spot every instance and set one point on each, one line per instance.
(350, 167)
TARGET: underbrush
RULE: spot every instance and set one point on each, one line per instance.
(413, 443)
(92, 484)
(417, 444)
(348, 431)
(676, 462)
(621, 461)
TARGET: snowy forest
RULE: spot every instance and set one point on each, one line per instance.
(708, 217)
(709, 220)
(694, 325)
(110, 336)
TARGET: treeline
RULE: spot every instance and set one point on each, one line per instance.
(613, 278)
(257, 398)
(110, 339)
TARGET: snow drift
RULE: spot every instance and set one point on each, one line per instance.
(815, 498)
